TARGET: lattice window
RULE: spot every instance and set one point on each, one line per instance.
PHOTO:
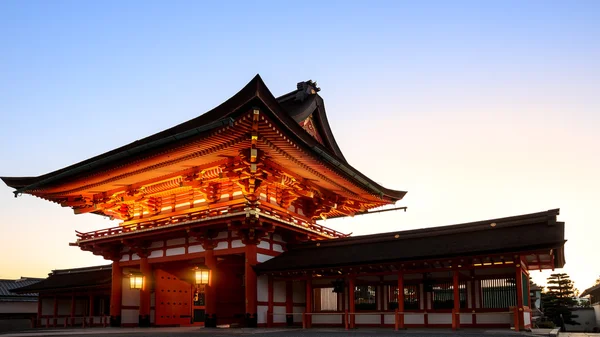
(411, 297)
(365, 298)
(498, 293)
(443, 295)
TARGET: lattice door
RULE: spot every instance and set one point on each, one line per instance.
(173, 299)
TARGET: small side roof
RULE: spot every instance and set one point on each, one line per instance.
(6, 287)
(591, 290)
(517, 233)
(76, 278)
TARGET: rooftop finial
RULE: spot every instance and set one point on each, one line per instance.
(306, 89)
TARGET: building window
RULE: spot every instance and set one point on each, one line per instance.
(325, 299)
(443, 295)
(364, 298)
(498, 293)
(101, 306)
(411, 297)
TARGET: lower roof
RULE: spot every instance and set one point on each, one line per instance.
(71, 279)
(528, 232)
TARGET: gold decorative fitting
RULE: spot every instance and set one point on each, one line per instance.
(520, 309)
(397, 236)
(493, 224)
(318, 244)
(518, 265)
(473, 311)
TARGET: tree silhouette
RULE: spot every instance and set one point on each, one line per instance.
(558, 300)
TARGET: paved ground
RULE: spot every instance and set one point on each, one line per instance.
(287, 332)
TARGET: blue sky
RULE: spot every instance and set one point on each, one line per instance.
(478, 109)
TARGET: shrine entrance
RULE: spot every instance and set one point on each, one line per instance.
(173, 299)
(229, 283)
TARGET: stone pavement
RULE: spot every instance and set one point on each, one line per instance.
(288, 332)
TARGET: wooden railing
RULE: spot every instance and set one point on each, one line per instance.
(266, 209)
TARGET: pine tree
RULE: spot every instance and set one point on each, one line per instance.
(558, 300)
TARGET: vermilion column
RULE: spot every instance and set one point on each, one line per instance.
(146, 269)
(289, 302)
(456, 311)
(309, 304)
(250, 275)
(351, 301)
(210, 293)
(401, 299)
(519, 309)
(115, 294)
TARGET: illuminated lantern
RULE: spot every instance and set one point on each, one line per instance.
(136, 281)
(202, 275)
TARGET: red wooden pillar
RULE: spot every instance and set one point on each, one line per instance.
(309, 304)
(289, 302)
(251, 283)
(91, 313)
(473, 302)
(401, 300)
(55, 311)
(115, 294)
(351, 301)
(72, 318)
(519, 309)
(210, 290)
(38, 321)
(456, 310)
(270, 303)
(146, 269)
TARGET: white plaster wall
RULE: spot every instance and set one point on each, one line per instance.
(439, 318)
(466, 318)
(586, 318)
(527, 319)
(262, 288)
(327, 319)
(156, 244)
(125, 257)
(280, 314)
(597, 313)
(368, 319)
(156, 253)
(278, 291)
(298, 310)
(134, 257)
(130, 297)
(277, 247)
(175, 251)
(237, 244)
(47, 306)
(195, 249)
(494, 318)
(260, 258)
(222, 245)
(264, 245)
(261, 314)
(389, 319)
(299, 292)
(277, 237)
(222, 235)
(129, 316)
(64, 306)
(18, 307)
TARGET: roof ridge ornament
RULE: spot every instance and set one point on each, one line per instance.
(306, 89)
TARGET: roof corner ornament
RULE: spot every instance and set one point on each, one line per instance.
(306, 89)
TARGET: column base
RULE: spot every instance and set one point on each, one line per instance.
(210, 321)
(144, 321)
(251, 321)
(115, 321)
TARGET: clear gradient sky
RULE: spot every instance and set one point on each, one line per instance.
(478, 109)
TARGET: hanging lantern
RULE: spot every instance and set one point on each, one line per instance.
(202, 275)
(136, 281)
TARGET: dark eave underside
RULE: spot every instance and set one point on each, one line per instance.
(537, 231)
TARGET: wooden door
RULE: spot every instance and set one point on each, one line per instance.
(173, 304)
